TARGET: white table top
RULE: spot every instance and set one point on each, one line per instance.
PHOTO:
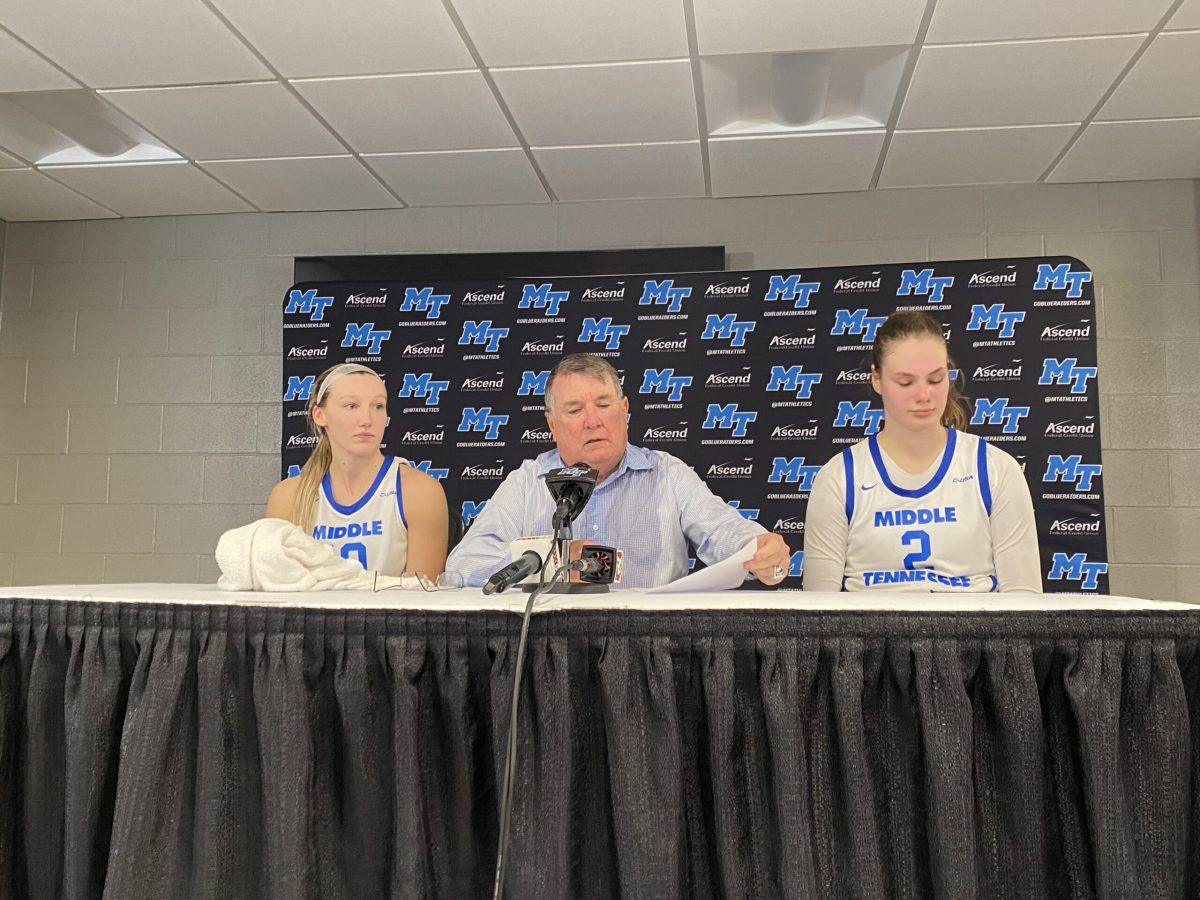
(472, 599)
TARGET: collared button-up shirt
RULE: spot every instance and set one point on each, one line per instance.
(649, 508)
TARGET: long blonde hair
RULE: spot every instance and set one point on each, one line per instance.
(304, 500)
(911, 323)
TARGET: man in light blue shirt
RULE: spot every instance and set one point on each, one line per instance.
(647, 503)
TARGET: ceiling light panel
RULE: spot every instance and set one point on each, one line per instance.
(545, 32)
(363, 37)
(961, 21)
(757, 26)
(73, 126)
(972, 155)
(626, 172)
(794, 163)
(602, 104)
(819, 90)
(151, 189)
(443, 111)
(256, 120)
(133, 43)
(1018, 83)
(279, 185)
(461, 178)
(1163, 83)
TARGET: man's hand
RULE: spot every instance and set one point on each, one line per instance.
(771, 559)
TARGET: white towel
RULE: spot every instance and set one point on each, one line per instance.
(275, 555)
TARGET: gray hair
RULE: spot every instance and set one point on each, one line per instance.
(583, 364)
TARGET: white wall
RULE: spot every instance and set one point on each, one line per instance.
(139, 359)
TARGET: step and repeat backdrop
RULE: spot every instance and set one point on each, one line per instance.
(754, 378)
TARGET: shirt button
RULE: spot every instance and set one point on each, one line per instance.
(595, 528)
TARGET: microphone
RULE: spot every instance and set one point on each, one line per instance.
(570, 487)
(523, 566)
(597, 565)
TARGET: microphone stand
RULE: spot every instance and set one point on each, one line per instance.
(510, 754)
(562, 532)
(562, 540)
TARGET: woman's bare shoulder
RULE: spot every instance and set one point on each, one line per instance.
(279, 503)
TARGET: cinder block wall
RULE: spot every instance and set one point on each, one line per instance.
(139, 358)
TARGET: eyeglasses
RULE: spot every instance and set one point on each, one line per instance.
(418, 581)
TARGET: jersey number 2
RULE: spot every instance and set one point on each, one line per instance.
(357, 549)
(917, 556)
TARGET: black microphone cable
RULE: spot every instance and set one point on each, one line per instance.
(510, 755)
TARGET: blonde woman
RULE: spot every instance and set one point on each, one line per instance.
(921, 506)
(375, 509)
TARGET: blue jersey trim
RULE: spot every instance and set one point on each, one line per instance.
(995, 584)
(943, 467)
(362, 501)
(848, 465)
(985, 483)
(400, 499)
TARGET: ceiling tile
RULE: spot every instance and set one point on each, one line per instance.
(972, 155)
(150, 189)
(1163, 83)
(1021, 83)
(1128, 151)
(462, 178)
(630, 171)
(10, 162)
(27, 195)
(1187, 16)
(540, 32)
(793, 164)
(446, 111)
(257, 120)
(291, 185)
(603, 104)
(179, 41)
(969, 20)
(364, 37)
(23, 70)
(758, 26)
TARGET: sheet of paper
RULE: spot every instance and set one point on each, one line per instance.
(722, 576)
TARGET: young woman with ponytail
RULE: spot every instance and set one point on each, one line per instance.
(375, 509)
(922, 505)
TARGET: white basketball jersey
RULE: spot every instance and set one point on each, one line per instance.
(936, 537)
(372, 530)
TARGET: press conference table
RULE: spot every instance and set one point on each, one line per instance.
(176, 740)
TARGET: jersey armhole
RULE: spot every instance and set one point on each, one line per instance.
(985, 484)
(848, 466)
(400, 491)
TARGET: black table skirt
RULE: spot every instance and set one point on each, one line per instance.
(171, 751)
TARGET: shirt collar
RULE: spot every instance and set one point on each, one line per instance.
(635, 457)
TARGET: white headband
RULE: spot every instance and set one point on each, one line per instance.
(337, 372)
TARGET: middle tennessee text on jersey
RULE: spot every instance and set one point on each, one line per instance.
(353, 530)
(372, 530)
(931, 537)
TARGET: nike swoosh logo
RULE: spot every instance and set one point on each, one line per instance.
(867, 487)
